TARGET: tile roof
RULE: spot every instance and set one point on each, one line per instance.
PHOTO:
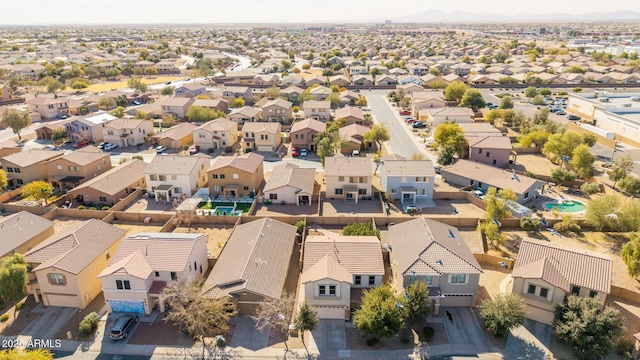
(279, 103)
(74, 247)
(490, 142)
(348, 166)
(428, 247)
(176, 101)
(289, 174)
(18, 228)
(30, 157)
(176, 132)
(451, 111)
(134, 265)
(353, 132)
(490, 175)
(220, 124)
(111, 181)
(563, 266)
(84, 156)
(256, 127)
(349, 111)
(255, 258)
(359, 255)
(249, 162)
(408, 168)
(316, 104)
(326, 268)
(249, 111)
(176, 164)
(312, 124)
(121, 124)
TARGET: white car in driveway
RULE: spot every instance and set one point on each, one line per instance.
(160, 149)
(109, 146)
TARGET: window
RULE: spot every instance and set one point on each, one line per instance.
(341, 178)
(479, 151)
(358, 280)
(458, 278)
(214, 176)
(393, 191)
(593, 293)
(332, 290)
(201, 135)
(245, 188)
(362, 191)
(99, 167)
(153, 177)
(428, 280)
(162, 177)
(322, 290)
(102, 199)
(222, 176)
(338, 191)
(544, 292)
(362, 179)
(372, 280)
(273, 196)
(56, 279)
(157, 273)
(526, 195)
(174, 177)
(59, 167)
(353, 179)
(174, 276)
(177, 190)
(76, 169)
(19, 181)
(216, 188)
(575, 290)
(488, 153)
(235, 176)
(531, 290)
(123, 285)
(70, 168)
(406, 196)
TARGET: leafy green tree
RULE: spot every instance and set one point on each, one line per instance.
(118, 112)
(455, 91)
(446, 155)
(151, 70)
(122, 100)
(37, 190)
(381, 313)
(360, 229)
(562, 176)
(273, 92)
(3, 180)
(505, 312)
(52, 85)
(562, 145)
(106, 102)
(238, 102)
(202, 114)
(530, 92)
(306, 319)
(136, 84)
(588, 327)
(506, 102)
(13, 277)
(59, 135)
(589, 139)
(361, 101)
(375, 71)
(496, 203)
(324, 146)
(620, 169)
(545, 92)
(602, 212)
(167, 90)
(79, 84)
(529, 224)
(631, 255)
(538, 100)
(378, 133)
(582, 161)
(536, 138)
(16, 120)
(473, 98)
(450, 134)
(590, 188)
(631, 185)
(417, 302)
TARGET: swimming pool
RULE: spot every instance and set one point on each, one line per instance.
(223, 210)
(568, 206)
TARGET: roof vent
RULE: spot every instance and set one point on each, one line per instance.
(439, 261)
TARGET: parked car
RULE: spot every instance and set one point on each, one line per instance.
(419, 125)
(61, 116)
(561, 112)
(82, 144)
(411, 121)
(122, 327)
(136, 102)
(109, 146)
(295, 153)
(405, 112)
(168, 83)
(491, 107)
(303, 153)
(101, 145)
(161, 148)
(573, 117)
(355, 153)
(437, 169)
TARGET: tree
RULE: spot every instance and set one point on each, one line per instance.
(106, 102)
(334, 99)
(631, 255)
(506, 102)
(238, 102)
(562, 176)
(590, 188)
(530, 92)
(631, 185)
(582, 161)
(417, 302)
(150, 70)
(450, 134)
(167, 90)
(3, 180)
(620, 169)
(122, 100)
(79, 84)
(602, 212)
(24, 354)
(446, 155)
(360, 229)
(361, 101)
(536, 138)
(324, 146)
(13, 277)
(136, 84)
(59, 135)
(193, 312)
(538, 100)
(381, 313)
(118, 112)
(378, 133)
(202, 114)
(275, 313)
(473, 98)
(529, 224)
(455, 91)
(141, 115)
(492, 232)
(587, 326)
(16, 120)
(37, 190)
(273, 92)
(545, 92)
(560, 146)
(52, 84)
(377, 159)
(496, 203)
(306, 319)
(505, 312)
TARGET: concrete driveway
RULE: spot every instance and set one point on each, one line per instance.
(462, 327)
(329, 335)
(51, 319)
(530, 341)
(247, 336)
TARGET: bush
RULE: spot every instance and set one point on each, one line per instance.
(93, 208)
(81, 207)
(530, 224)
(590, 188)
(428, 332)
(89, 324)
(228, 150)
(360, 229)
(624, 346)
(4, 317)
(567, 225)
(300, 227)
(19, 305)
(105, 208)
(372, 341)
(221, 341)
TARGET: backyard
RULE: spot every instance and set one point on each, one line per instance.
(217, 236)
(225, 208)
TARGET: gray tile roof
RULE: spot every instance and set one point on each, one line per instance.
(255, 259)
(408, 168)
(112, 181)
(347, 166)
(291, 175)
(18, 228)
(431, 248)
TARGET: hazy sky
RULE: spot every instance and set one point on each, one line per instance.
(243, 11)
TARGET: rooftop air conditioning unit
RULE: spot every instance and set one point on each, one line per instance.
(626, 105)
(635, 98)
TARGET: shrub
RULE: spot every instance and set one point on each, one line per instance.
(360, 229)
(567, 225)
(105, 208)
(221, 341)
(590, 188)
(19, 305)
(624, 346)
(4, 317)
(300, 227)
(372, 341)
(89, 324)
(530, 224)
(93, 208)
(428, 332)
(81, 207)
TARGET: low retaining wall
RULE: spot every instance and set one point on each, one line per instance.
(9, 195)
(494, 260)
(625, 294)
(120, 205)
(449, 195)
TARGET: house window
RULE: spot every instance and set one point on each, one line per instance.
(495, 161)
(58, 166)
(544, 292)
(332, 290)
(362, 191)
(372, 280)
(393, 191)
(338, 191)
(531, 290)
(526, 195)
(273, 196)
(214, 176)
(216, 188)
(406, 196)
(157, 274)
(341, 178)
(222, 176)
(56, 279)
(177, 190)
(428, 280)
(102, 199)
(174, 275)
(235, 176)
(575, 290)
(362, 180)
(162, 177)
(353, 179)
(153, 177)
(593, 293)
(245, 188)
(488, 153)
(70, 168)
(358, 280)
(479, 151)
(322, 290)
(458, 278)
(123, 285)
(174, 177)
(19, 181)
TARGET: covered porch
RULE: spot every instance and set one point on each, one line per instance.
(163, 193)
(64, 182)
(155, 293)
(124, 140)
(409, 194)
(231, 191)
(350, 194)
(303, 198)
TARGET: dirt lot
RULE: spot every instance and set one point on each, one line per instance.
(217, 236)
(18, 319)
(535, 163)
(116, 85)
(490, 281)
(134, 228)
(64, 221)
(362, 208)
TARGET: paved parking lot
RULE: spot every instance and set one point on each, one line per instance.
(329, 335)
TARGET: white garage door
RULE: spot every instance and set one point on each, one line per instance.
(264, 148)
(62, 300)
(539, 315)
(457, 300)
(331, 312)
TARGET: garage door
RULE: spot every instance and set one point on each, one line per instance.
(62, 300)
(539, 315)
(331, 312)
(127, 306)
(264, 148)
(457, 300)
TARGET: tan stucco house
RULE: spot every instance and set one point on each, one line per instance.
(27, 166)
(348, 178)
(127, 132)
(216, 134)
(261, 136)
(77, 167)
(236, 176)
(22, 231)
(113, 185)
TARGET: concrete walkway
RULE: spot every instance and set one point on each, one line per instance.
(503, 285)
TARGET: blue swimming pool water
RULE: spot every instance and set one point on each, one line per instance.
(223, 209)
(567, 207)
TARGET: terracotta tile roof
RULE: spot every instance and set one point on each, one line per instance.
(407, 168)
(327, 268)
(134, 265)
(490, 175)
(431, 248)
(247, 162)
(359, 255)
(563, 265)
(18, 228)
(348, 166)
(288, 174)
(74, 247)
(255, 259)
(111, 182)
(312, 124)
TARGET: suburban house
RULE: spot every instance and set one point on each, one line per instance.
(176, 176)
(291, 184)
(175, 137)
(75, 168)
(265, 79)
(546, 273)
(213, 104)
(254, 264)
(479, 129)
(410, 181)
(49, 106)
(320, 92)
(292, 92)
(88, 128)
(127, 132)
(231, 93)
(351, 115)
(176, 106)
(113, 185)
(45, 131)
(9, 147)
(26, 166)
(435, 253)
(236, 176)
(261, 136)
(65, 267)
(348, 178)
(22, 231)
(436, 117)
(490, 150)
(465, 173)
(216, 134)
(144, 263)
(303, 133)
(190, 90)
(278, 110)
(340, 80)
(318, 110)
(245, 114)
(421, 101)
(353, 135)
(336, 269)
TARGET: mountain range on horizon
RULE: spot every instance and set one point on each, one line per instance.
(441, 16)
